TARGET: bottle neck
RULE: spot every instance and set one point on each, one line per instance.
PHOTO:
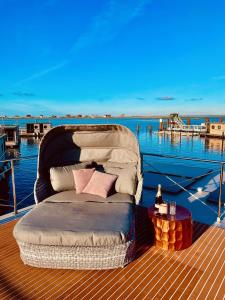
(158, 198)
(159, 192)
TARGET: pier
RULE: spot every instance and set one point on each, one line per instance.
(12, 135)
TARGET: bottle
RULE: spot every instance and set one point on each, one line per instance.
(158, 197)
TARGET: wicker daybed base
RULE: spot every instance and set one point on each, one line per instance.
(62, 257)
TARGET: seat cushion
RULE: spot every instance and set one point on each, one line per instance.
(72, 196)
(76, 224)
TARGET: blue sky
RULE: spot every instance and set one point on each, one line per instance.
(112, 56)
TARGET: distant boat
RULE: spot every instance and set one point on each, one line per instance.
(176, 124)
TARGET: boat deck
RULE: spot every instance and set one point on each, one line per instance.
(195, 273)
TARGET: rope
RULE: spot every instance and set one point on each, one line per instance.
(25, 198)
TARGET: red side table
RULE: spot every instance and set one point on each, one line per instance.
(172, 232)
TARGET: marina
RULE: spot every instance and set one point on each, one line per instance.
(112, 150)
(202, 148)
(190, 181)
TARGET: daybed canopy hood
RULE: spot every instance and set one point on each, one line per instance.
(77, 143)
(71, 144)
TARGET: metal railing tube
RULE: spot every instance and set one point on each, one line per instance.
(14, 187)
(182, 158)
(220, 193)
(198, 160)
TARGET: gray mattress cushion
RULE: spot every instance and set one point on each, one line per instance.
(76, 224)
(71, 196)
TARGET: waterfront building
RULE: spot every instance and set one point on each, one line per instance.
(35, 129)
(217, 129)
(12, 135)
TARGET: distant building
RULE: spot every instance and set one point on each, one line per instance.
(2, 151)
(217, 129)
(107, 116)
(35, 129)
(12, 135)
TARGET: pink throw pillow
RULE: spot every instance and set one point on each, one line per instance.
(81, 178)
(100, 184)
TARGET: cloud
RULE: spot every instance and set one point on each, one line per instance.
(221, 77)
(165, 98)
(104, 27)
(140, 98)
(44, 72)
(110, 22)
(24, 94)
(195, 99)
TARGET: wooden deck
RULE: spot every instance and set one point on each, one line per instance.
(195, 273)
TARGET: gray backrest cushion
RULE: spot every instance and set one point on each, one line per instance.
(62, 177)
(127, 177)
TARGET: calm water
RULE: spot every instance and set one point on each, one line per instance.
(25, 170)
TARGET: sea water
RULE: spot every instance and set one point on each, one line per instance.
(188, 146)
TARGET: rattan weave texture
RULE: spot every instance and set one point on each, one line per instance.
(77, 257)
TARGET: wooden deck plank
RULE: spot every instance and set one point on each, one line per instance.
(172, 267)
(195, 273)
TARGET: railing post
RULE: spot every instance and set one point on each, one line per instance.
(142, 170)
(13, 187)
(220, 193)
(142, 161)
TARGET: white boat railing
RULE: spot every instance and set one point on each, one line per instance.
(11, 164)
(189, 128)
(217, 162)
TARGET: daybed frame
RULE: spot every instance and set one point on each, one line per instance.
(70, 144)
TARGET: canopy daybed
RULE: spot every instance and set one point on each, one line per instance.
(82, 231)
